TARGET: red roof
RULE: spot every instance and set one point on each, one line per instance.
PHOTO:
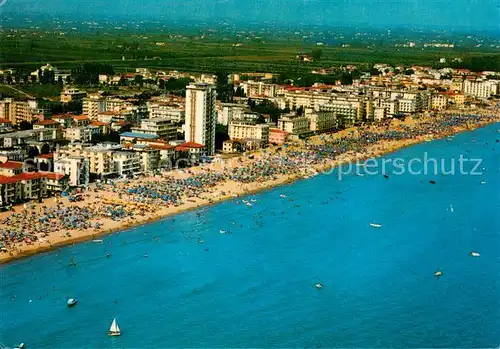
(45, 156)
(163, 147)
(20, 177)
(47, 122)
(5, 121)
(99, 123)
(180, 148)
(11, 164)
(191, 145)
(52, 175)
(81, 117)
(62, 116)
(277, 130)
(108, 113)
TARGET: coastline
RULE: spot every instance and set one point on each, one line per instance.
(226, 190)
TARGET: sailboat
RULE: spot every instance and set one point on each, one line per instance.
(114, 330)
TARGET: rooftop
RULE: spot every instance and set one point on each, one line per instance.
(11, 164)
(138, 135)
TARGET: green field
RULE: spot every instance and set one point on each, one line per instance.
(28, 50)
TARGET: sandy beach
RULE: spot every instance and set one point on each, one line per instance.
(106, 208)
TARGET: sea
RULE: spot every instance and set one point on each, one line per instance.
(238, 275)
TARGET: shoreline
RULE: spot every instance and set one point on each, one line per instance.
(228, 190)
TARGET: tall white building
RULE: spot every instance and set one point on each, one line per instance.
(481, 89)
(201, 115)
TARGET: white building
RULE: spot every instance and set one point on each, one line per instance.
(72, 94)
(293, 124)
(127, 163)
(162, 128)
(231, 111)
(162, 110)
(201, 115)
(75, 167)
(78, 134)
(322, 121)
(481, 89)
(249, 130)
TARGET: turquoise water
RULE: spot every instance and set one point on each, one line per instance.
(255, 287)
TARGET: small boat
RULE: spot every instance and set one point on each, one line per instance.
(474, 254)
(20, 346)
(222, 231)
(249, 204)
(319, 285)
(97, 241)
(282, 196)
(114, 330)
(451, 208)
(253, 200)
(432, 182)
(375, 225)
(438, 273)
(71, 302)
(483, 182)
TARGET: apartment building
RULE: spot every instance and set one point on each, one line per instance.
(277, 136)
(76, 168)
(293, 124)
(93, 105)
(347, 110)
(160, 127)
(165, 110)
(19, 111)
(481, 89)
(126, 163)
(439, 101)
(78, 134)
(322, 121)
(259, 89)
(201, 115)
(72, 95)
(249, 130)
(231, 111)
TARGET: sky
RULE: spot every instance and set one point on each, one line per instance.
(458, 14)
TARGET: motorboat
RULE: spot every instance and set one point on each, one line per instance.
(282, 196)
(71, 302)
(97, 241)
(474, 254)
(319, 285)
(438, 273)
(222, 231)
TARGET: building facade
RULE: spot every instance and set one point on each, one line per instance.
(201, 115)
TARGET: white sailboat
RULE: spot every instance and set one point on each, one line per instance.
(114, 330)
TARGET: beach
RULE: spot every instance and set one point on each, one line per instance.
(106, 208)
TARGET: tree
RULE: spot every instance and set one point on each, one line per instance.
(239, 92)
(161, 84)
(224, 88)
(317, 53)
(60, 80)
(32, 152)
(409, 72)
(346, 79)
(139, 80)
(45, 148)
(68, 79)
(300, 111)
(221, 136)
(24, 125)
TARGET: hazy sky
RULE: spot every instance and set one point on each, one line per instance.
(458, 14)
